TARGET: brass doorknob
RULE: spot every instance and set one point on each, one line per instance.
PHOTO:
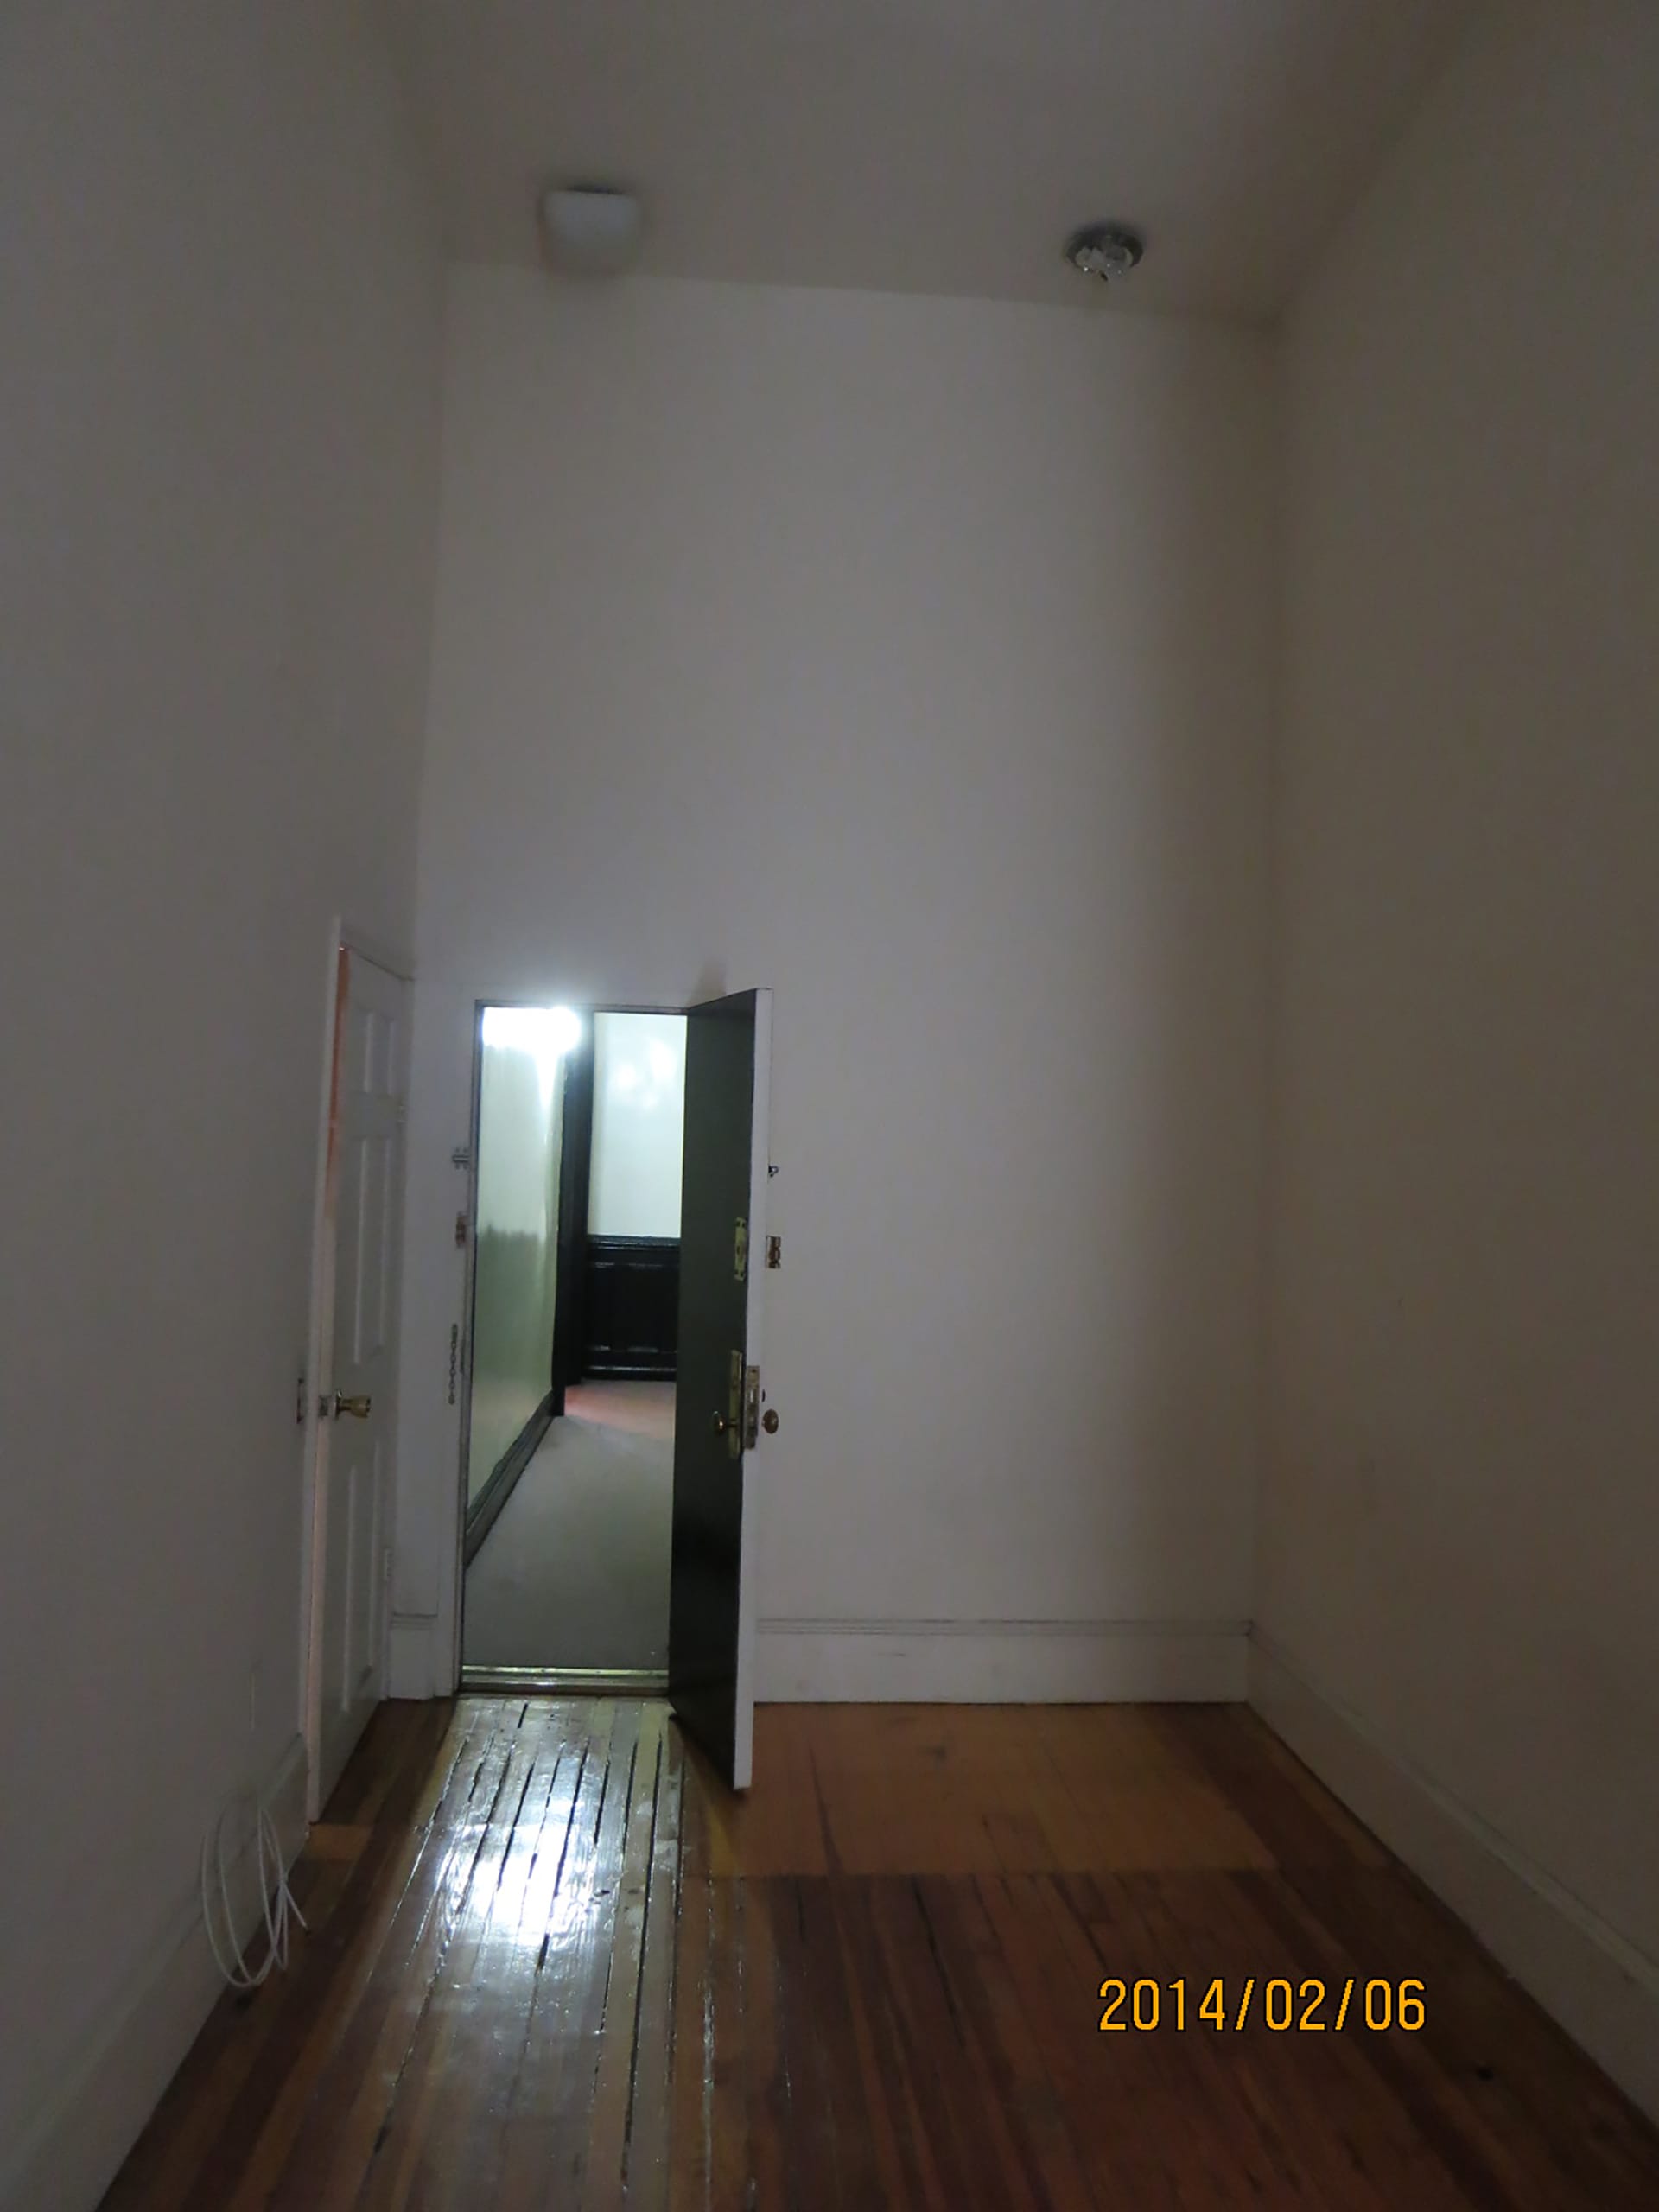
(357, 1407)
(769, 1420)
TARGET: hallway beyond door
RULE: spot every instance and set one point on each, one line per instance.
(573, 1574)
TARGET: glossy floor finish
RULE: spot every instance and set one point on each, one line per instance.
(641, 1409)
(551, 1966)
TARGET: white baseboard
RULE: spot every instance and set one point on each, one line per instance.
(1602, 1991)
(103, 2093)
(409, 1669)
(942, 1662)
(994, 1662)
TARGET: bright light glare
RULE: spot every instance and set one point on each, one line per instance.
(535, 1029)
(544, 1033)
(646, 1083)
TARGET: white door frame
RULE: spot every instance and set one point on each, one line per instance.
(344, 936)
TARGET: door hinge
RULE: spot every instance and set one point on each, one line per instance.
(385, 1567)
(774, 1251)
(455, 1358)
(741, 1251)
(461, 1232)
(461, 1156)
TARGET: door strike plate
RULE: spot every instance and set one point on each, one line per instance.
(733, 1429)
(751, 1408)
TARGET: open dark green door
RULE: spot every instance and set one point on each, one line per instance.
(718, 1399)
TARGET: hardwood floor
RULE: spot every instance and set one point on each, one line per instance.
(550, 1964)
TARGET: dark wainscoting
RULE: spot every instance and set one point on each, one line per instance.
(631, 1309)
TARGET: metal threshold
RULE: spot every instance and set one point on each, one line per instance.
(567, 1682)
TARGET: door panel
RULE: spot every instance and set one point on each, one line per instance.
(723, 1247)
(365, 1202)
(632, 1307)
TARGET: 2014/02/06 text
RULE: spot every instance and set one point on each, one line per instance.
(1310, 2007)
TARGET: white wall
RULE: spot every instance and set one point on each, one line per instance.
(1460, 1520)
(639, 1124)
(515, 1253)
(218, 405)
(520, 1112)
(910, 657)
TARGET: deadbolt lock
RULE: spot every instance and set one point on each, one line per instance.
(730, 1423)
(741, 1423)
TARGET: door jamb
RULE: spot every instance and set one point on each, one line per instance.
(576, 1192)
(345, 937)
(481, 1000)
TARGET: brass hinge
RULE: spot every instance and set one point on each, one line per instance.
(741, 1251)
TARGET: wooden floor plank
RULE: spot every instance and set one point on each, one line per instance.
(691, 2044)
(560, 1901)
(437, 2112)
(734, 2076)
(606, 2161)
(650, 2102)
(551, 1965)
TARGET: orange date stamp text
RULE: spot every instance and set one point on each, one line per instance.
(1283, 2007)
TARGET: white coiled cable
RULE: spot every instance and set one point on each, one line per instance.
(276, 1899)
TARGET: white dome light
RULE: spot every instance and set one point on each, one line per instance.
(591, 229)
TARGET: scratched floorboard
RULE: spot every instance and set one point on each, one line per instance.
(550, 1964)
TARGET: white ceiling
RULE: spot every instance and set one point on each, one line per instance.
(928, 145)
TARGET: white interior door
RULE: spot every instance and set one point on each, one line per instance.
(363, 1253)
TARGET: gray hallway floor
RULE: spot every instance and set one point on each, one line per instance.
(575, 1571)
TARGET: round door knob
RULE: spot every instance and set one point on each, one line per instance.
(769, 1420)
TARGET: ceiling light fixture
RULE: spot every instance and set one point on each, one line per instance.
(1107, 250)
(591, 229)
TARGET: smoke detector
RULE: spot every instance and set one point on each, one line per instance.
(590, 230)
(1107, 250)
